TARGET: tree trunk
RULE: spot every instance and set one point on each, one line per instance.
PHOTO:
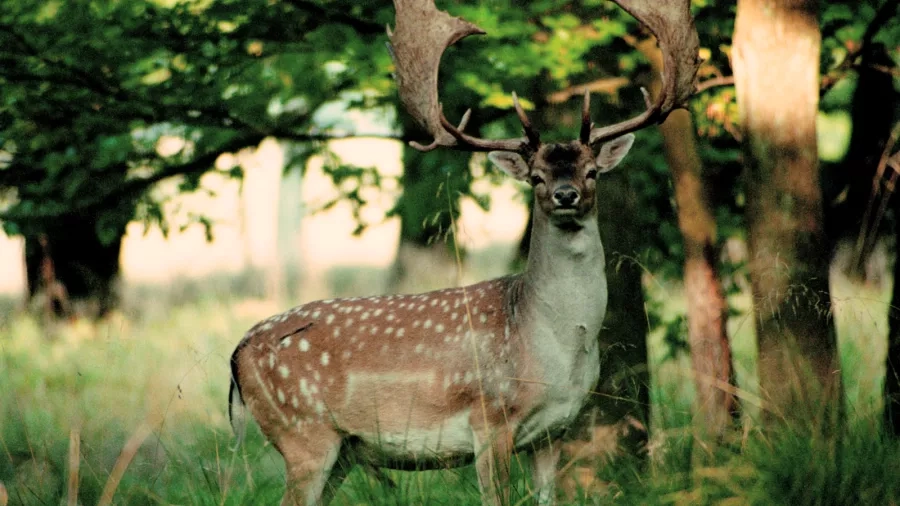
(617, 417)
(850, 183)
(715, 405)
(426, 257)
(624, 386)
(776, 69)
(70, 272)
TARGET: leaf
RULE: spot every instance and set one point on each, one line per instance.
(157, 76)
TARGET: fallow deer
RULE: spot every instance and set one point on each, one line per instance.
(461, 374)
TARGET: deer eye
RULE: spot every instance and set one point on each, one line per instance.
(592, 174)
(536, 180)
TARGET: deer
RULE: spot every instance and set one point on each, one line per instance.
(466, 374)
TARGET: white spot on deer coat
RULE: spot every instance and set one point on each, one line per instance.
(303, 345)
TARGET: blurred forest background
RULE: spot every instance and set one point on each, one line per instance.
(172, 171)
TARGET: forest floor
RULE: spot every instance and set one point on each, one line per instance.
(132, 411)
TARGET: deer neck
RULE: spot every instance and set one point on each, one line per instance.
(564, 283)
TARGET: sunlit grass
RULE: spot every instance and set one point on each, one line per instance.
(157, 376)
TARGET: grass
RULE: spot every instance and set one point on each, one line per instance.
(132, 411)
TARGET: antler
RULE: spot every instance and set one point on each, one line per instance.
(672, 24)
(421, 35)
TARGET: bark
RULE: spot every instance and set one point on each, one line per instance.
(73, 273)
(776, 69)
(715, 403)
(624, 386)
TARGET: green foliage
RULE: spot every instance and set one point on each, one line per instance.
(87, 89)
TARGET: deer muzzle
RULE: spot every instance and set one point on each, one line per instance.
(566, 196)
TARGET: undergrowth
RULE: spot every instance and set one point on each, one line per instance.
(132, 411)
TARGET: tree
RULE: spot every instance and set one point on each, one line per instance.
(432, 184)
(87, 89)
(788, 250)
(707, 308)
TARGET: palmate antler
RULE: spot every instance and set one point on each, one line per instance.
(423, 33)
(672, 24)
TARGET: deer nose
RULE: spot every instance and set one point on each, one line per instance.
(565, 196)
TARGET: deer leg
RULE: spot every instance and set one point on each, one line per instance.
(546, 460)
(492, 459)
(309, 460)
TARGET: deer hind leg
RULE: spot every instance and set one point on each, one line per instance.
(309, 459)
(493, 452)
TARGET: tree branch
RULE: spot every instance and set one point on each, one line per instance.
(609, 85)
(714, 82)
(133, 188)
(884, 13)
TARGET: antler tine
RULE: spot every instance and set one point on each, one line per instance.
(534, 139)
(585, 135)
(672, 24)
(419, 39)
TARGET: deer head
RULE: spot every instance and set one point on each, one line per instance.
(563, 175)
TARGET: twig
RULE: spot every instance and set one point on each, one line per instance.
(884, 13)
(605, 85)
(74, 464)
(713, 82)
(865, 240)
(894, 71)
(128, 452)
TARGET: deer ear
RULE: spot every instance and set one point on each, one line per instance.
(511, 163)
(613, 152)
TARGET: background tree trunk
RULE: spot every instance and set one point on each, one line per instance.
(776, 47)
(624, 386)
(432, 183)
(849, 183)
(87, 268)
(707, 307)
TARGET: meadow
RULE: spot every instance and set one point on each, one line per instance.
(132, 411)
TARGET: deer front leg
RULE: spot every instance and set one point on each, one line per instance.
(492, 458)
(546, 460)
